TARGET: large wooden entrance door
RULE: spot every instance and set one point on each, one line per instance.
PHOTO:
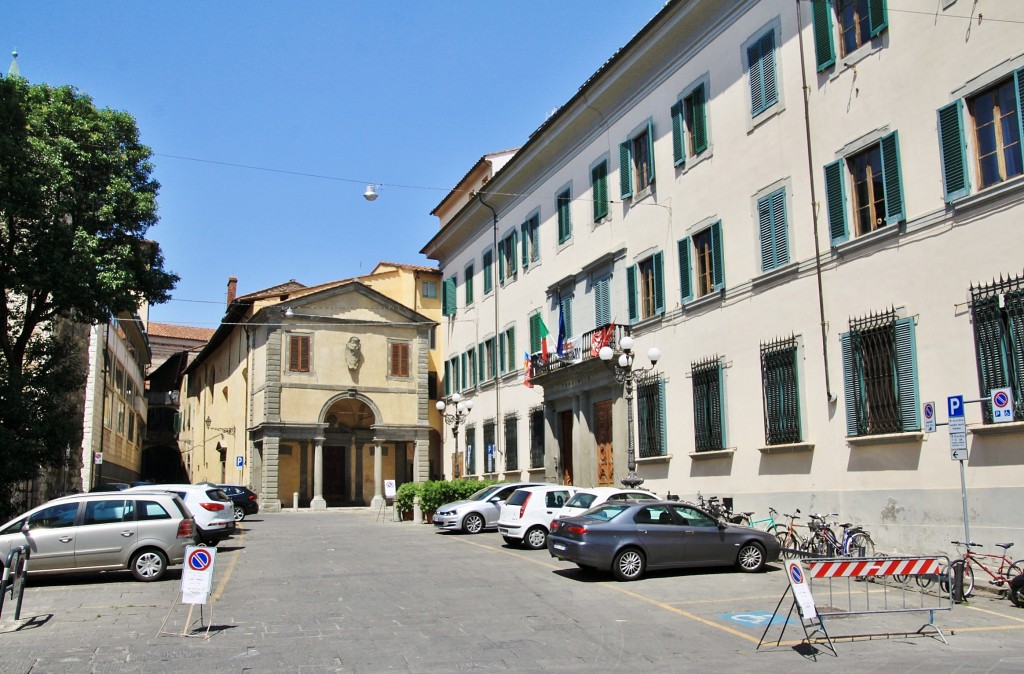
(603, 439)
(334, 475)
(565, 446)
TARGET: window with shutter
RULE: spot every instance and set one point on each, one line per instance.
(761, 74)
(511, 442)
(636, 161)
(468, 283)
(708, 260)
(709, 434)
(997, 315)
(599, 190)
(602, 302)
(448, 299)
(398, 359)
(562, 203)
(488, 271)
(645, 287)
(652, 425)
(781, 392)
(876, 188)
(773, 230)
(298, 353)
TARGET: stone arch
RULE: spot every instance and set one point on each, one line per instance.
(348, 421)
(349, 411)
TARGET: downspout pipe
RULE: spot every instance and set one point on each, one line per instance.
(814, 204)
(497, 379)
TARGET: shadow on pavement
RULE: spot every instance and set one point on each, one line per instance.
(597, 575)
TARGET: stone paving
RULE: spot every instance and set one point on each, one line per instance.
(348, 591)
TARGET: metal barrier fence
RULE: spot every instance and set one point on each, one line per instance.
(14, 582)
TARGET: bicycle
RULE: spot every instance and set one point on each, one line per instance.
(790, 540)
(1004, 573)
(770, 524)
(854, 542)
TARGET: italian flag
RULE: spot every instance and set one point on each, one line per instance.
(545, 340)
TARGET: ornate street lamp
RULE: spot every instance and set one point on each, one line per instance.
(459, 410)
(626, 375)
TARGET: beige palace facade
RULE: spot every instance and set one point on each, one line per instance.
(813, 209)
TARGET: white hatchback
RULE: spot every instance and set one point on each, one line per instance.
(527, 513)
(585, 499)
(213, 510)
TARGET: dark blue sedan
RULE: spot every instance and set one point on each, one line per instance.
(629, 538)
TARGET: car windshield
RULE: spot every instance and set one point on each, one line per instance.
(482, 494)
(581, 500)
(608, 511)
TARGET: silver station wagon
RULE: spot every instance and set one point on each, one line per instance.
(142, 532)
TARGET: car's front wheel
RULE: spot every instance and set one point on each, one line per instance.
(473, 523)
(149, 565)
(239, 513)
(536, 538)
(629, 564)
(751, 558)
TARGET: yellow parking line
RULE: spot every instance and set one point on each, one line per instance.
(996, 613)
(231, 567)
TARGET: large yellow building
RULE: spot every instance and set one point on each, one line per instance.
(317, 395)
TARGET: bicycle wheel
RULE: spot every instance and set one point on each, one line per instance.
(788, 544)
(860, 545)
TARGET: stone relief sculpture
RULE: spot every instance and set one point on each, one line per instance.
(353, 353)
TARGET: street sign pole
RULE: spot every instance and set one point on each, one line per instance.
(963, 497)
(958, 450)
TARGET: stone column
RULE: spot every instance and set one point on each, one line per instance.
(318, 502)
(378, 475)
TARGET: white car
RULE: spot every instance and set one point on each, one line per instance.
(527, 513)
(585, 499)
(478, 512)
(212, 509)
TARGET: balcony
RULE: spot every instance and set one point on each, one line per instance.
(580, 350)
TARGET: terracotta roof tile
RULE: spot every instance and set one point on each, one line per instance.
(180, 332)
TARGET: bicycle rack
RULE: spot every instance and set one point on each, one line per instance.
(12, 583)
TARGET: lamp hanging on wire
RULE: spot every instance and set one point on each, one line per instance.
(371, 192)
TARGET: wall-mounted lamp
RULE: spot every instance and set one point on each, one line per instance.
(229, 430)
(289, 313)
(371, 192)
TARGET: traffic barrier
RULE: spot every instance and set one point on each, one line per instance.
(13, 582)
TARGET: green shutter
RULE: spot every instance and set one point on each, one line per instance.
(835, 199)
(501, 261)
(534, 238)
(821, 16)
(717, 256)
(602, 303)
(449, 299)
(564, 215)
(1018, 75)
(447, 378)
(488, 271)
(659, 282)
(599, 187)
(953, 149)
(511, 344)
(766, 231)
(878, 16)
(513, 244)
(567, 314)
(721, 407)
(700, 120)
(631, 293)
(534, 333)
(625, 171)
(502, 350)
(685, 287)
(906, 374)
(465, 372)
(525, 231)
(481, 365)
(650, 150)
(851, 384)
(892, 180)
(771, 215)
(761, 66)
(678, 134)
(468, 283)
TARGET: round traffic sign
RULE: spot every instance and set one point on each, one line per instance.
(796, 573)
(199, 560)
(1000, 399)
(929, 410)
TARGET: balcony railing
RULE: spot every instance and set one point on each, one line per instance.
(578, 350)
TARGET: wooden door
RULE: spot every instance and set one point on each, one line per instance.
(334, 475)
(565, 449)
(603, 440)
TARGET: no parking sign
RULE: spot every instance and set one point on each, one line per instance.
(197, 574)
(1002, 405)
(801, 592)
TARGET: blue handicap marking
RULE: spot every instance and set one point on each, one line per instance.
(756, 618)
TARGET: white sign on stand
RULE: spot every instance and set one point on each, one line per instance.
(801, 592)
(389, 489)
(197, 574)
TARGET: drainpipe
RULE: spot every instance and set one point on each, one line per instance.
(814, 204)
(497, 379)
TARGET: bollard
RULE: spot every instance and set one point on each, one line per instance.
(295, 500)
(417, 511)
(957, 590)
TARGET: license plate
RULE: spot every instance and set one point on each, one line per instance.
(558, 546)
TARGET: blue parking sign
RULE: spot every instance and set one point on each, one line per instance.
(239, 461)
(956, 406)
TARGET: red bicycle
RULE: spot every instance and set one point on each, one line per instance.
(1000, 574)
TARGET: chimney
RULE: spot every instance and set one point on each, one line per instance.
(232, 285)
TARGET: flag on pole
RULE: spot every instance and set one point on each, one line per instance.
(560, 347)
(545, 339)
(601, 339)
(529, 370)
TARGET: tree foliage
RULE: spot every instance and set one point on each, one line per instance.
(76, 201)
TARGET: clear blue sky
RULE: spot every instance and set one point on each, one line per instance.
(405, 94)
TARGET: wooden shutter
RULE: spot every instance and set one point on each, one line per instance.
(1018, 77)
(892, 180)
(851, 384)
(564, 223)
(488, 271)
(878, 16)
(599, 186)
(699, 121)
(685, 286)
(678, 134)
(906, 374)
(525, 231)
(625, 170)
(602, 303)
(953, 150)
(631, 293)
(298, 353)
(824, 50)
(835, 200)
(658, 264)
(650, 151)
(717, 256)
(449, 299)
(534, 333)
(399, 359)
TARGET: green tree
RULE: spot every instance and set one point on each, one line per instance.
(76, 201)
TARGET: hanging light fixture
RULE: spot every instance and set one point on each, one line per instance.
(371, 192)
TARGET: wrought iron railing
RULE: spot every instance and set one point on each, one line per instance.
(580, 350)
(873, 347)
(997, 312)
(650, 415)
(781, 399)
(707, 404)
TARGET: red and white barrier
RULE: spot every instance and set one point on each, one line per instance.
(875, 566)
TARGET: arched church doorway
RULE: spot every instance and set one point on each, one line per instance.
(349, 427)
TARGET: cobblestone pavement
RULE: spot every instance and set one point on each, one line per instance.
(348, 591)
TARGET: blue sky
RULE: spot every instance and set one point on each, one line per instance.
(405, 94)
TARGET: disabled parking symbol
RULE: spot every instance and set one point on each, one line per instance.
(756, 618)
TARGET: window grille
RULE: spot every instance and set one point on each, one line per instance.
(537, 437)
(781, 392)
(707, 404)
(650, 404)
(489, 448)
(511, 442)
(470, 454)
(997, 311)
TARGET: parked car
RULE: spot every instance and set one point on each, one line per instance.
(143, 532)
(585, 499)
(245, 500)
(478, 512)
(526, 515)
(213, 510)
(630, 538)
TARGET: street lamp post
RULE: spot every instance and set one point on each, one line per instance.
(459, 411)
(626, 375)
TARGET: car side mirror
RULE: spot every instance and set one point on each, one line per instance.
(722, 524)
(24, 528)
